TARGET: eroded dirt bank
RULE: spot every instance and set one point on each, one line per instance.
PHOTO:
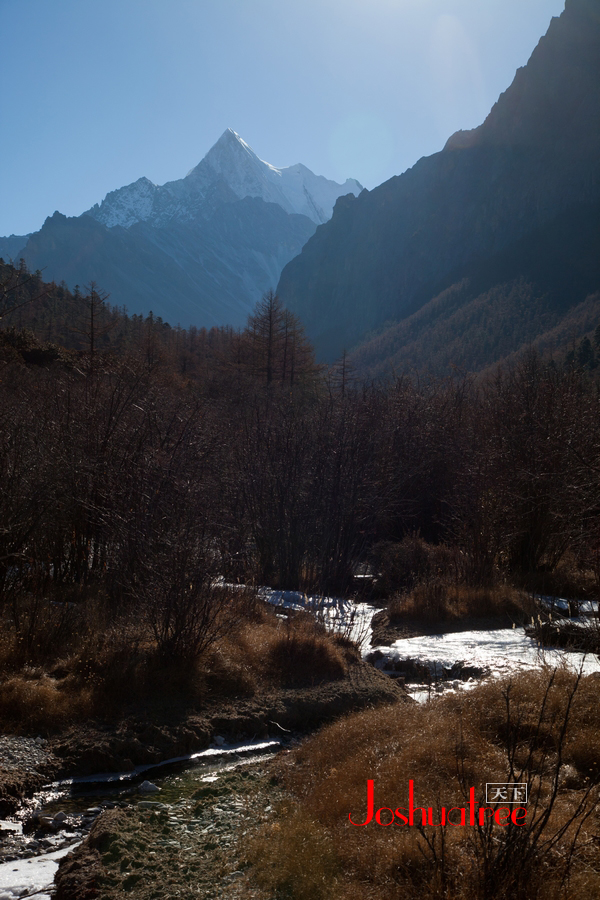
(93, 747)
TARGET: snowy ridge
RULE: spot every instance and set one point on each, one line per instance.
(127, 205)
(295, 188)
(232, 170)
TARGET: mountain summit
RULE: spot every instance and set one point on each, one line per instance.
(231, 167)
(200, 250)
(295, 188)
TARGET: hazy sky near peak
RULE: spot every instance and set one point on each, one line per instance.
(93, 95)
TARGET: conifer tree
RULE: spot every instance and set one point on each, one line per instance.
(276, 348)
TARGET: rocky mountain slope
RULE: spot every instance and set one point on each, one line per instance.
(386, 254)
(201, 250)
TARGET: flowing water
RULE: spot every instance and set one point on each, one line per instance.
(32, 858)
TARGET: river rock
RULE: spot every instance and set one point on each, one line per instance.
(148, 787)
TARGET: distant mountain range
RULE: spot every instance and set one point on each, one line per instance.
(481, 248)
(198, 251)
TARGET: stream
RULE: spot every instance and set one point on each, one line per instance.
(32, 856)
(169, 791)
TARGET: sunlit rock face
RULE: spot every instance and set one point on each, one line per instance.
(389, 251)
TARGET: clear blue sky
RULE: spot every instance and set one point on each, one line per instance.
(96, 93)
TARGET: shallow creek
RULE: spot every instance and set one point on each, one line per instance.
(194, 802)
(203, 798)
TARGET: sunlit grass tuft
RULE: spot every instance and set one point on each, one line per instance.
(540, 728)
(439, 601)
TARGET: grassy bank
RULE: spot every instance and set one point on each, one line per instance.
(107, 670)
(283, 833)
(540, 729)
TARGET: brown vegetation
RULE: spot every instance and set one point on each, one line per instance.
(145, 467)
(541, 729)
(147, 472)
(114, 669)
(442, 602)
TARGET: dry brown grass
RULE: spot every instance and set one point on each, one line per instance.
(99, 673)
(439, 601)
(311, 872)
(107, 671)
(291, 653)
(36, 702)
(303, 655)
(446, 746)
(571, 578)
(228, 675)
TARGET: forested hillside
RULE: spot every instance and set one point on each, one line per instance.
(542, 291)
(131, 449)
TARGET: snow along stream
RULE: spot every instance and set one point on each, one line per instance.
(445, 659)
(496, 653)
(32, 876)
(491, 653)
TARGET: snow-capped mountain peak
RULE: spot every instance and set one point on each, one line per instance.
(230, 164)
(295, 188)
(230, 142)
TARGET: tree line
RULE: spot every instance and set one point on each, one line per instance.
(148, 461)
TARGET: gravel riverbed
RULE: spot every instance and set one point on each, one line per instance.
(188, 843)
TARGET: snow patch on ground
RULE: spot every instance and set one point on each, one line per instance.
(336, 613)
(32, 877)
(502, 651)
